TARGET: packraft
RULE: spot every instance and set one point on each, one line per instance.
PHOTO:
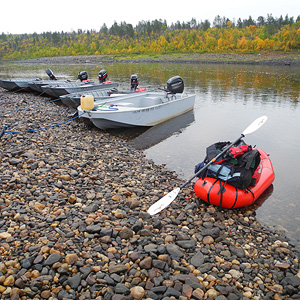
(238, 166)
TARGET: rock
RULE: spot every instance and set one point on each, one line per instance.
(239, 252)
(9, 281)
(208, 240)
(119, 268)
(133, 203)
(187, 291)
(186, 244)
(211, 294)
(174, 251)
(52, 259)
(122, 289)
(5, 235)
(137, 292)
(71, 259)
(126, 233)
(198, 259)
(146, 263)
(204, 268)
(93, 228)
(291, 280)
(3, 268)
(198, 294)
(213, 232)
(46, 294)
(74, 281)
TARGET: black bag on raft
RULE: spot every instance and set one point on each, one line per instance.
(235, 167)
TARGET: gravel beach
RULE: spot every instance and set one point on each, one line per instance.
(74, 222)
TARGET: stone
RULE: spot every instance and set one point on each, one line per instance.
(198, 294)
(5, 235)
(174, 251)
(71, 259)
(146, 263)
(74, 281)
(137, 292)
(126, 233)
(198, 259)
(9, 281)
(119, 268)
(239, 252)
(52, 259)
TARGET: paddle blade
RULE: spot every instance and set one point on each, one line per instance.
(255, 125)
(163, 202)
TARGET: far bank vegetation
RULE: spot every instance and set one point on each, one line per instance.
(157, 37)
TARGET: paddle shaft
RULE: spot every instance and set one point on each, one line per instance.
(212, 161)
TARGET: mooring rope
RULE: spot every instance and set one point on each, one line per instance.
(38, 129)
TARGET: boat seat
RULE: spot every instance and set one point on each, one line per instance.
(151, 100)
(124, 104)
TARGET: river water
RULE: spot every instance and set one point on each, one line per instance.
(228, 99)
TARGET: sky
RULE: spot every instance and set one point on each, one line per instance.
(19, 16)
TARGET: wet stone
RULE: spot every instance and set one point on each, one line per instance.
(126, 233)
(186, 244)
(239, 252)
(93, 228)
(213, 232)
(119, 268)
(52, 259)
(174, 251)
(122, 289)
(205, 267)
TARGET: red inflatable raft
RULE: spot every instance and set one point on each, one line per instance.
(218, 192)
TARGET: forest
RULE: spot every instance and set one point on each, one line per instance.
(157, 37)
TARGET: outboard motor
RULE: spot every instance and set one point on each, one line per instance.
(83, 76)
(102, 76)
(50, 74)
(175, 85)
(134, 82)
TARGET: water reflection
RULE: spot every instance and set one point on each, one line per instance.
(159, 133)
(228, 99)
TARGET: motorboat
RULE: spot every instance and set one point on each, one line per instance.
(139, 109)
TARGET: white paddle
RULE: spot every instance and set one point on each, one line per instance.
(170, 197)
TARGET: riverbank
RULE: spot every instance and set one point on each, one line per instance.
(74, 222)
(274, 58)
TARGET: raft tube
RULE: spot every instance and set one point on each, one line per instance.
(220, 193)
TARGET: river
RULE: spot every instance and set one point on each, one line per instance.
(228, 98)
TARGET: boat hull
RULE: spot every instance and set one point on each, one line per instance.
(17, 84)
(36, 86)
(73, 100)
(214, 191)
(57, 91)
(120, 115)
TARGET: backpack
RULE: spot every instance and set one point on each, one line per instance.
(236, 166)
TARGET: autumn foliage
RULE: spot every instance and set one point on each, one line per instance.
(156, 37)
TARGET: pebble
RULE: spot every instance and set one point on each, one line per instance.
(74, 222)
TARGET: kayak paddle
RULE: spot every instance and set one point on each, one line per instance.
(170, 197)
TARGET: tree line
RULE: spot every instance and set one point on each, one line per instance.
(151, 37)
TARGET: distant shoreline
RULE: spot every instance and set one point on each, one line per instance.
(274, 58)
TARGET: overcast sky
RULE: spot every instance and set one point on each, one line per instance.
(19, 16)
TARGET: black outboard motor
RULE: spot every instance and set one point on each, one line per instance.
(50, 74)
(82, 76)
(134, 82)
(175, 85)
(102, 76)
